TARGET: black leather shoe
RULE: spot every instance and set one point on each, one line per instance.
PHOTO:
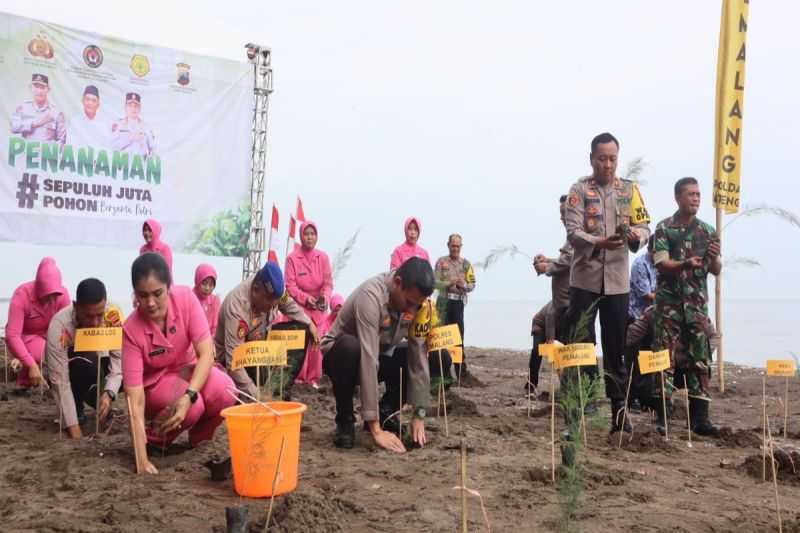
(345, 435)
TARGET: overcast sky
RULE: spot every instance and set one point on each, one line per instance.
(475, 117)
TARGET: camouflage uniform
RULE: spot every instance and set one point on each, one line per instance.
(681, 316)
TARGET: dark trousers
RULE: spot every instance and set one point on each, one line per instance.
(342, 364)
(83, 378)
(455, 315)
(613, 311)
(643, 388)
(536, 360)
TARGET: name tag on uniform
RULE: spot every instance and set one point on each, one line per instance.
(158, 352)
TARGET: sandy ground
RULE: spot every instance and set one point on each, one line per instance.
(52, 484)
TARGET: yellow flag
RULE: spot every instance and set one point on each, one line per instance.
(639, 214)
(730, 104)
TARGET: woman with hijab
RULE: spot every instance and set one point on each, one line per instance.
(310, 282)
(168, 365)
(151, 231)
(205, 280)
(32, 306)
(337, 301)
(409, 248)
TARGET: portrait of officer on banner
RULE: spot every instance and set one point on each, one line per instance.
(38, 119)
(89, 128)
(131, 134)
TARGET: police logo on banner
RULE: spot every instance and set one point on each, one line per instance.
(183, 73)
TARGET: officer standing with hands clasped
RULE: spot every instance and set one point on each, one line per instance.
(130, 134)
(602, 229)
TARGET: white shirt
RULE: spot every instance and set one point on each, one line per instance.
(83, 131)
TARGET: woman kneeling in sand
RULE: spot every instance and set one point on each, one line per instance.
(168, 363)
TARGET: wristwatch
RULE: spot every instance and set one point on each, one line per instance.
(419, 412)
(192, 394)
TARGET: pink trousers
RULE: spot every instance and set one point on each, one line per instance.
(312, 366)
(35, 345)
(203, 416)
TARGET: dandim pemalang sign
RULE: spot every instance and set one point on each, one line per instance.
(99, 134)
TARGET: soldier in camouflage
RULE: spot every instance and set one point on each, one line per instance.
(686, 251)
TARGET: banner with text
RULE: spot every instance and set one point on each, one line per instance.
(730, 105)
(99, 134)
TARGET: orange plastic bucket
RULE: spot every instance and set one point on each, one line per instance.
(255, 435)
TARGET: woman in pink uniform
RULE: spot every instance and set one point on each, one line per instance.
(337, 301)
(168, 363)
(310, 282)
(33, 304)
(205, 280)
(410, 248)
(151, 231)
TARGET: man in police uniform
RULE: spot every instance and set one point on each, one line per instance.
(248, 313)
(89, 129)
(38, 119)
(73, 374)
(131, 134)
(363, 347)
(598, 220)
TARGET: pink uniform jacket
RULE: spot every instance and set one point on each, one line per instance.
(406, 251)
(308, 274)
(210, 303)
(157, 245)
(337, 300)
(147, 353)
(28, 317)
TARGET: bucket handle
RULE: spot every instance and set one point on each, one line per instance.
(262, 404)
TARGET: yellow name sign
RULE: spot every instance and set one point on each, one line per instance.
(295, 339)
(578, 354)
(444, 337)
(650, 362)
(781, 367)
(456, 354)
(259, 353)
(98, 339)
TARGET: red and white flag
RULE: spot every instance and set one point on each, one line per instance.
(272, 255)
(290, 238)
(301, 217)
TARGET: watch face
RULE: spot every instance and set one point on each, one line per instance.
(421, 412)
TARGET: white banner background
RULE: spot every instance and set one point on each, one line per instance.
(201, 132)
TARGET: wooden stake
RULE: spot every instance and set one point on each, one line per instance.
(400, 416)
(258, 383)
(718, 312)
(275, 483)
(664, 406)
(774, 478)
(552, 424)
(786, 411)
(97, 397)
(444, 397)
(459, 372)
(625, 407)
(281, 386)
(269, 382)
(688, 414)
(764, 428)
(529, 393)
(580, 399)
(464, 511)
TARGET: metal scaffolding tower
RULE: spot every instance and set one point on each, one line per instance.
(261, 58)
